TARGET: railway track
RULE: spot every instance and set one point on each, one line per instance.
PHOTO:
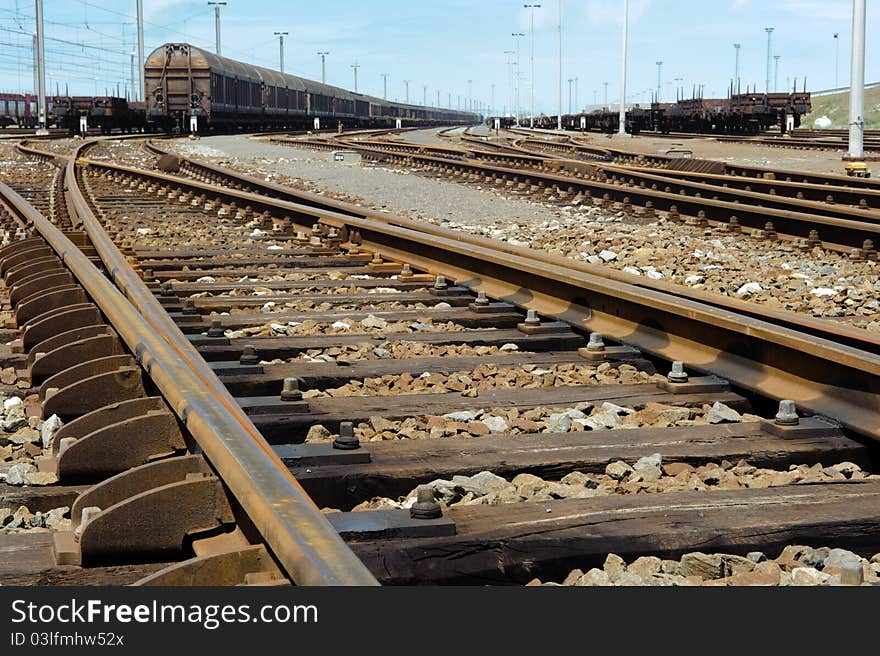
(703, 198)
(328, 326)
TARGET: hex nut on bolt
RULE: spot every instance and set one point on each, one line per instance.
(482, 299)
(440, 283)
(532, 318)
(678, 374)
(216, 330)
(347, 440)
(787, 415)
(426, 507)
(291, 390)
(596, 342)
(249, 356)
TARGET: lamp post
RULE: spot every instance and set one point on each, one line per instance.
(776, 74)
(659, 80)
(606, 94)
(217, 6)
(323, 56)
(769, 31)
(570, 82)
(141, 92)
(737, 47)
(355, 68)
(517, 36)
(857, 83)
(510, 54)
(559, 73)
(406, 82)
(281, 36)
(622, 127)
(836, 60)
(532, 119)
(385, 86)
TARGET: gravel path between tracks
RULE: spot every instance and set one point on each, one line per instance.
(778, 274)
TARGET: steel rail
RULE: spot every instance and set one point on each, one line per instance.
(846, 234)
(839, 332)
(300, 537)
(822, 376)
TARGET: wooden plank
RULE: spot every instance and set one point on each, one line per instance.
(187, 288)
(226, 303)
(328, 375)
(292, 428)
(399, 467)
(27, 559)
(503, 317)
(493, 541)
(269, 348)
(266, 271)
(288, 262)
(40, 499)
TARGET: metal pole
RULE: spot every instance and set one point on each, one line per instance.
(570, 81)
(492, 107)
(406, 82)
(857, 83)
(737, 47)
(577, 96)
(438, 97)
(606, 95)
(837, 60)
(424, 95)
(132, 74)
(385, 86)
(355, 67)
(622, 128)
(217, 22)
(769, 31)
(559, 77)
(41, 68)
(470, 95)
(142, 86)
(517, 35)
(532, 118)
(323, 55)
(281, 36)
(776, 74)
(659, 79)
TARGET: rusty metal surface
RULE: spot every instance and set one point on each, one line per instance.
(838, 331)
(304, 542)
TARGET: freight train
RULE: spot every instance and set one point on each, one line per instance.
(190, 89)
(104, 113)
(744, 113)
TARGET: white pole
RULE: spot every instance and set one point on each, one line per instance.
(518, 69)
(141, 92)
(622, 129)
(41, 68)
(857, 83)
(769, 31)
(532, 117)
(559, 78)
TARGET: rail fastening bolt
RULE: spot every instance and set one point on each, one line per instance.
(249, 356)
(347, 440)
(189, 307)
(426, 507)
(596, 343)
(216, 330)
(167, 289)
(678, 374)
(787, 415)
(291, 390)
(532, 318)
(440, 283)
(482, 299)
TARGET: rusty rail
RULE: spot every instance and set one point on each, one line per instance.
(822, 376)
(300, 537)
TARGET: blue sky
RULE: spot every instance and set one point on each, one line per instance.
(445, 43)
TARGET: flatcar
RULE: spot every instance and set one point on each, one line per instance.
(744, 113)
(18, 109)
(191, 89)
(106, 113)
